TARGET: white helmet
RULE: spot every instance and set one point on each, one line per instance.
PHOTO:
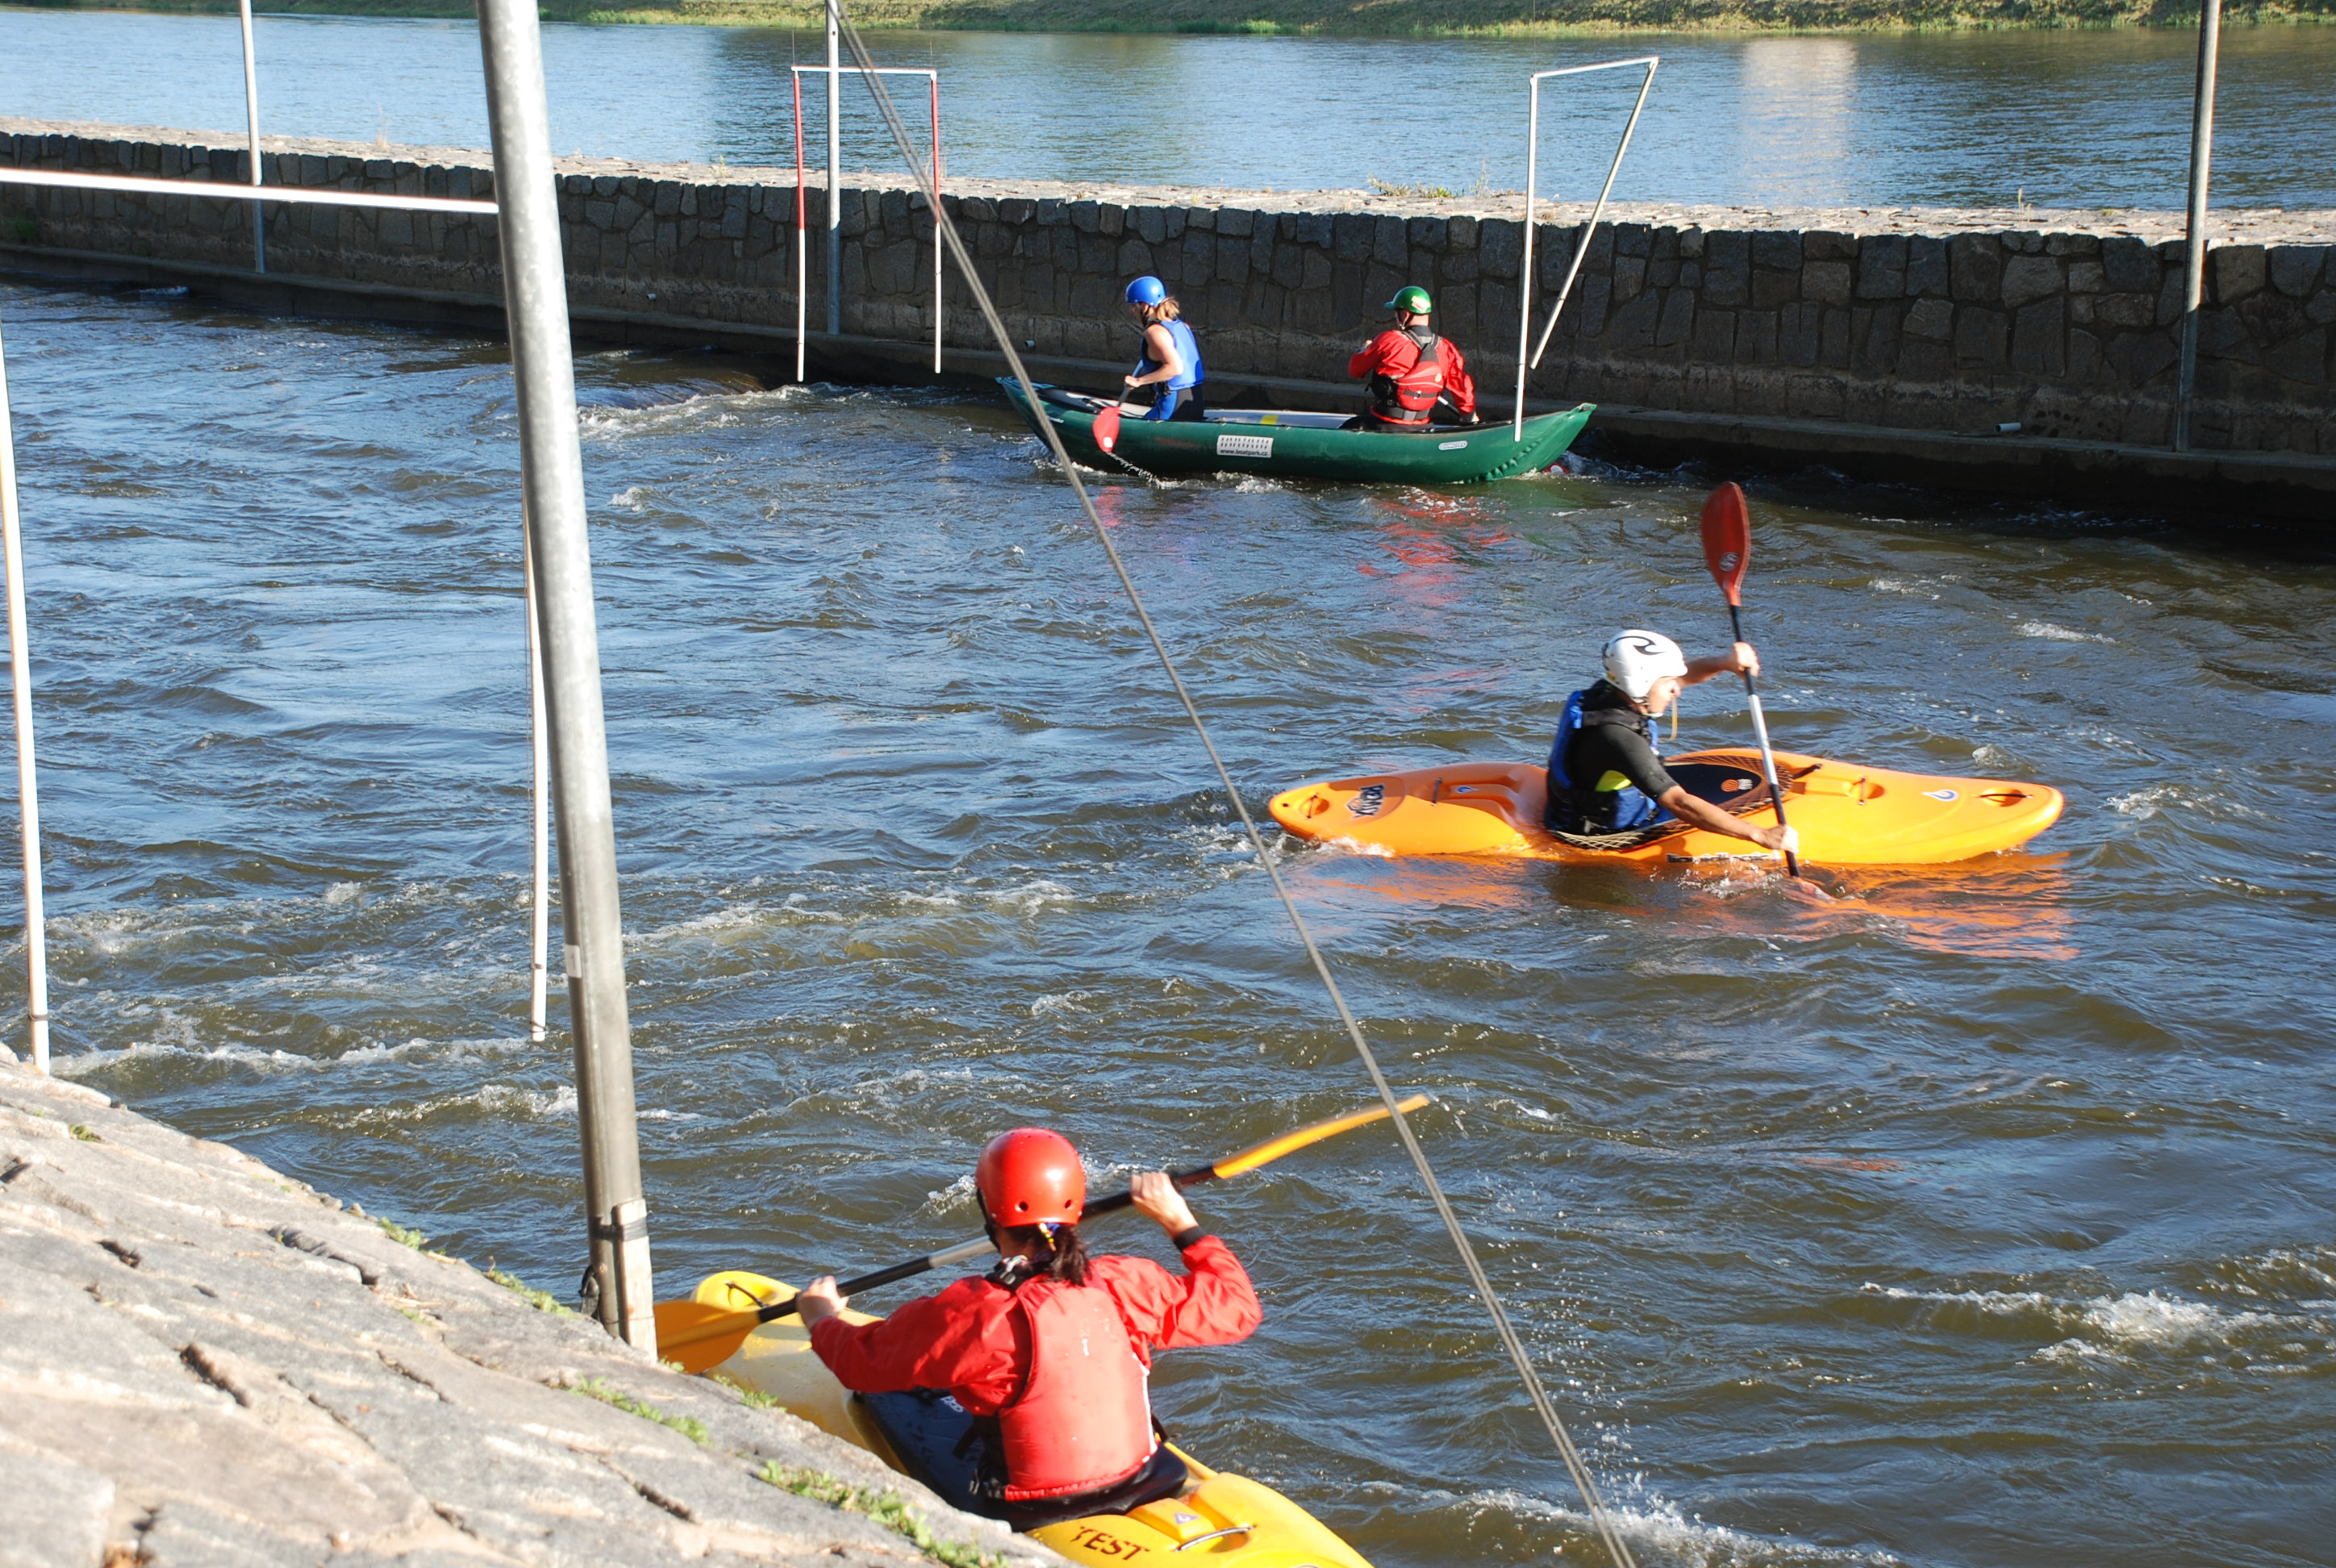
(1635, 660)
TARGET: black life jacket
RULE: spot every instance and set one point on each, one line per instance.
(1579, 805)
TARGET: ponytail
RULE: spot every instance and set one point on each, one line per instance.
(1166, 310)
(1060, 1256)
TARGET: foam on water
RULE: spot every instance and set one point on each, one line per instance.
(1662, 1534)
(2132, 1323)
(2047, 631)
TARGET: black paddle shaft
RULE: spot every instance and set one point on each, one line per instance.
(853, 1287)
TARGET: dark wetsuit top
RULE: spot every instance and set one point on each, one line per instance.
(1613, 749)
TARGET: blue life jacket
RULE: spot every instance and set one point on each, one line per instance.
(1188, 349)
(1580, 805)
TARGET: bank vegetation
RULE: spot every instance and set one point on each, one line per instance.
(1392, 18)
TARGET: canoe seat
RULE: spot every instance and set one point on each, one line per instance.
(939, 1444)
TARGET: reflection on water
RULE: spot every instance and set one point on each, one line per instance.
(1797, 118)
(2071, 118)
(1829, 1216)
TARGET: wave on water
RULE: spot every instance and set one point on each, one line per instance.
(488, 1102)
(1662, 1534)
(260, 1059)
(958, 1195)
(2144, 803)
(2118, 1328)
(250, 1058)
(2049, 632)
(1915, 587)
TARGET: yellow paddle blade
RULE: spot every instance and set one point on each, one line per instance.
(1274, 1148)
(699, 1337)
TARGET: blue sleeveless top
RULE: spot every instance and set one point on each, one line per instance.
(1188, 349)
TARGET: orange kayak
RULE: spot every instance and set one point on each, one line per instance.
(1846, 814)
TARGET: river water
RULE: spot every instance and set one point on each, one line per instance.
(1981, 1217)
(2060, 119)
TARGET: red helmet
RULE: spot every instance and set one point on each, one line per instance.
(1031, 1176)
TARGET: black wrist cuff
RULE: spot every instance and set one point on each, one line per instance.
(1189, 1236)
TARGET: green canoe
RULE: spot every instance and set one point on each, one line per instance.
(1302, 445)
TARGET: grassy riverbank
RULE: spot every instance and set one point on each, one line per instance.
(1387, 17)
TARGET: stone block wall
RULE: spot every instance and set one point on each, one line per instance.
(1920, 320)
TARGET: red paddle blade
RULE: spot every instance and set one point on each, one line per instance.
(1106, 427)
(1728, 538)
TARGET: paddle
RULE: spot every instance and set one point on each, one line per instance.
(1728, 550)
(1106, 426)
(698, 1335)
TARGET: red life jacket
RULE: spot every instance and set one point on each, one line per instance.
(1083, 1419)
(1409, 398)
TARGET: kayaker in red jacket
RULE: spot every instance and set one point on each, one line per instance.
(1409, 369)
(1055, 1345)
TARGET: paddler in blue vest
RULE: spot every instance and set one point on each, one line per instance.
(1606, 771)
(1409, 370)
(1171, 365)
(1051, 1350)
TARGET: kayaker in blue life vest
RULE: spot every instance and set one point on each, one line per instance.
(1606, 773)
(1409, 371)
(1171, 365)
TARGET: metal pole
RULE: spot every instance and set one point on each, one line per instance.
(535, 297)
(2194, 271)
(36, 932)
(1525, 277)
(936, 222)
(835, 161)
(538, 969)
(1581, 246)
(803, 240)
(251, 116)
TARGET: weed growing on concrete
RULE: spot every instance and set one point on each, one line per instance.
(1397, 188)
(402, 1236)
(688, 1427)
(541, 1300)
(884, 1507)
(754, 1399)
(84, 1133)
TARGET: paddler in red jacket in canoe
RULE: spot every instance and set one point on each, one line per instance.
(1408, 370)
(1050, 1351)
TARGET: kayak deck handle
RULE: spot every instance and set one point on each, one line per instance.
(1214, 1535)
(1860, 789)
(2004, 797)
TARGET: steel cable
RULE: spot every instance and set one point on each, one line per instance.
(946, 232)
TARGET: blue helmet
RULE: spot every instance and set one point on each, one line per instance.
(1146, 290)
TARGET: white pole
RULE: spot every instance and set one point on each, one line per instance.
(936, 222)
(803, 241)
(1525, 277)
(539, 736)
(834, 163)
(1581, 246)
(36, 935)
(251, 117)
(2193, 267)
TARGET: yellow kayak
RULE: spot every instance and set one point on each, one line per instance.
(1176, 1504)
(1847, 815)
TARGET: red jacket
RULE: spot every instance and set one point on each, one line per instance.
(1395, 351)
(963, 1339)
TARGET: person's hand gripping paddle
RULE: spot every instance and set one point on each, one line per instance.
(1728, 550)
(696, 1336)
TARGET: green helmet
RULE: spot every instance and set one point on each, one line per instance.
(1412, 300)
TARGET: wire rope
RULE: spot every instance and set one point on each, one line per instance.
(945, 230)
